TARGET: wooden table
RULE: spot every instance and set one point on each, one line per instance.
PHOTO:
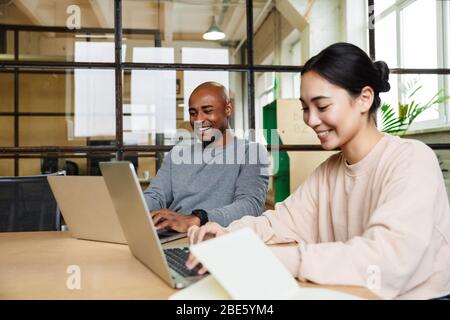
(35, 265)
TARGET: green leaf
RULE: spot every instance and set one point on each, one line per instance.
(388, 115)
(414, 92)
(407, 112)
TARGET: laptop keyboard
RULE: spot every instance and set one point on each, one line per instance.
(176, 258)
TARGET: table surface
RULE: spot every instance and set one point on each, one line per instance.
(37, 265)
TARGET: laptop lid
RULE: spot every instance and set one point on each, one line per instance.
(132, 211)
(89, 212)
(87, 208)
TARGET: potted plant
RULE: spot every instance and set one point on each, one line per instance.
(399, 122)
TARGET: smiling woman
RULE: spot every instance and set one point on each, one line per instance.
(376, 213)
(338, 104)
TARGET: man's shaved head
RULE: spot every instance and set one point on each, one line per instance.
(211, 87)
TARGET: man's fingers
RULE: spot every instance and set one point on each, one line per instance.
(153, 213)
(179, 227)
(156, 216)
(164, 224)
(159, 216)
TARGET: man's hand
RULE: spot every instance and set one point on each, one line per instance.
(165, 218)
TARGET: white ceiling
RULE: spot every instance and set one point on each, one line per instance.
(179, 18)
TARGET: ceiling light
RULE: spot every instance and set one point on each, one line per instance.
(214, 32)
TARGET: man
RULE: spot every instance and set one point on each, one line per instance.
(221, 178)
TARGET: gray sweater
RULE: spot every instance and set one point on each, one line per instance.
(227, 182)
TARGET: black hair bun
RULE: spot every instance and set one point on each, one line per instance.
(383, 71)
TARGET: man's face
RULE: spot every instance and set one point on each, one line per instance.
(209, 113)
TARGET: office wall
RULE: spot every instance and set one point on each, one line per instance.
(6, 167)
(6, 139)
(265, 40)
(6, 93)
(44, 92)
(6, 131)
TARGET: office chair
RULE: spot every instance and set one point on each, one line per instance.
(28, 204)
(51, 164)
(71, 168)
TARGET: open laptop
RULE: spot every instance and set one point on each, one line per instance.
(138, 227)
(88, 211)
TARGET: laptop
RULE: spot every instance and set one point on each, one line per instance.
(88, 211)
(139, 230)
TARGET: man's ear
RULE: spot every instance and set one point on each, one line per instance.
(228, 109)
(366, 98)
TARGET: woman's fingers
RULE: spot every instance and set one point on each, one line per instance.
(191, 234)
(198, 234)
(191, 262)
(202, 270)
(210, 229)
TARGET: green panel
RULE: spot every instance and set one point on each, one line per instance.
(281, 181)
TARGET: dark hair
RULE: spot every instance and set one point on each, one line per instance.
(350, 68)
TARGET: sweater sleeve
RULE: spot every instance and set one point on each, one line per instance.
(384, 258)
(293, 220)
(251, 188)
(159, 194)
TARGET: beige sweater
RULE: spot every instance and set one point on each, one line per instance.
(383, 223)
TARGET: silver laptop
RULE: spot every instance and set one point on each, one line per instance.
(138, 227)
(88, 211)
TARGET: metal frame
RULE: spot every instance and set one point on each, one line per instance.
(118, 77)
(396, 8)
(16, 67)
(371, 17)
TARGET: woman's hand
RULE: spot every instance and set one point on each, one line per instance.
(198, 234)
(210, 230)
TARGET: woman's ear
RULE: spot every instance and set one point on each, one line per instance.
(366, 98)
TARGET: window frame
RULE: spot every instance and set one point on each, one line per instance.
(442, 22)
(16, 66)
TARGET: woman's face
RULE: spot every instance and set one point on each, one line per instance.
(330, 111)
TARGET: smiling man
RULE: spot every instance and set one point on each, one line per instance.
(218, 178)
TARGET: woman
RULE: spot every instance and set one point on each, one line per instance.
(375, 214)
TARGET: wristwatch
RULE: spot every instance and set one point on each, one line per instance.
(202, 215)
